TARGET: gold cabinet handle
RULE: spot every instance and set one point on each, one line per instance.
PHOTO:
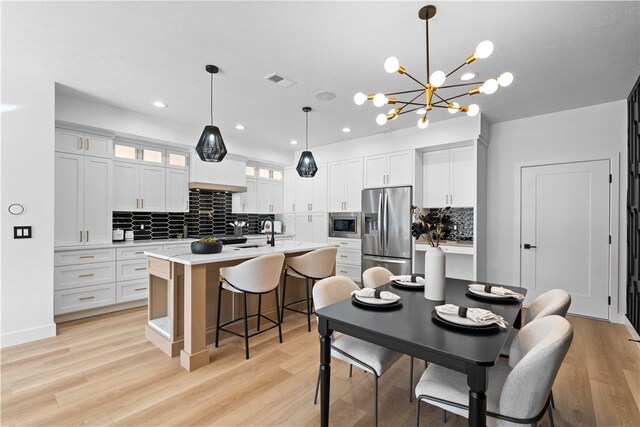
(139, 252)
(86, 275)
(140, 289)
(141, 268)
(137, 203)
(80, 139)
(86, 256)
(87, 235)
(86, 143)
(141, 203)
(84, 298)
(80, 235)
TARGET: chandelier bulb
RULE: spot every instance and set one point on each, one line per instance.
(473, 110)
(359, 98)
(437, 78)
(423, 122)
(453, 107)
(489, 87)
(484, 49)
(421, 111)
(391, 65)
(381, 119)
(505, 79)
(379, 100)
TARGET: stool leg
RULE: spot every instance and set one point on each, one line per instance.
(376, 402)
(411, 380)
(306, 286)
(350, 371)
(218, 314)
(278, 316)
(284, 294)
(246, 328)
(259, 309)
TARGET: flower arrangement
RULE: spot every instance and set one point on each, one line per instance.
(433, 226)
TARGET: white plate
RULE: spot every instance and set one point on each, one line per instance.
(377, 301)
(416, 284)
(489, 295)
(463, 321)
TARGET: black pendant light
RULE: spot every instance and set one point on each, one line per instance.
(211, 146)
(307, 167)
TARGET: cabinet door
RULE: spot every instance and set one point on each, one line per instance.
(435, 166)
(304, 194)
(337, 185)
(177, 190)
(463, 178)
(98, 146)
(304, 230)
(320, 228)
(264, 203)
(319, 193)
(177, 160)
(98, 197)
(69, 196)
(152, 188)
(400, 168)
(126, 152)
(289, 225)
(375, 169)
(68, 141)
(152, 156)
(289, 196)
(277, 202)
(237, 202)
(126, 186)
(354, 185)
(251, 197)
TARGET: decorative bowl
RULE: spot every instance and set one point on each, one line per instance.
(206, 248)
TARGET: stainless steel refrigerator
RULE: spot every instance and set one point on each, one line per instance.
(386, 229)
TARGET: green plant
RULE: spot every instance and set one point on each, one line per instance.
(433, 226)
(208, 240)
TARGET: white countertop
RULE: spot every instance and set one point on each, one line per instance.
(155, 242)
(233, 252)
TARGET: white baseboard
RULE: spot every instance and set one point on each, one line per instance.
(632, 331)
(27, 335)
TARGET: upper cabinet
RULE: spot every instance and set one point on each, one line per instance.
(177, 160)
(345, 184)
(311, 193)
(74, 142)
(289, 193)
(449, 178)
(264, 193)
(177, 190)
(139, 188)
(137, 153)
(388, 170)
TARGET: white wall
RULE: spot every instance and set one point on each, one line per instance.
(592, 132)
(132, 124)
(26, 175)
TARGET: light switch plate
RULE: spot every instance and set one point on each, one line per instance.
(22, 232)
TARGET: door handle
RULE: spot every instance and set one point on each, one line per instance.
(528, 246)
(380, 226)
(386, 221)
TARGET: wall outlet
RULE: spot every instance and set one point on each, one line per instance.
(22, 232)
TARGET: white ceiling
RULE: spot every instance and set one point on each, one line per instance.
(563, 55)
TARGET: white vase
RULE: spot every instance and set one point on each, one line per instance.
(434, 273)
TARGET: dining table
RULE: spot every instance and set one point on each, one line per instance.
(410, 328)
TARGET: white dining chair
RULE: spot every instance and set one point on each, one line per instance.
(257, 276)
(314, 265)
(375, 276)
(517, 392)
(363, 354)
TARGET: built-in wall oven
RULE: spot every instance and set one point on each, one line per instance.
(345, 225)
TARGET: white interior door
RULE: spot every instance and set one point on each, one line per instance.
(565, 233)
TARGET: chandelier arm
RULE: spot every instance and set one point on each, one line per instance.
(461, 84)
(439, 106)
(456, 69)
(411, 102)
(421, 104)
(453, 97)
(412, 110)
(441, 99)
(403, 92)
(414, 79)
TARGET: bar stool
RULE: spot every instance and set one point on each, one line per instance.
(314, 265)
(256, 276)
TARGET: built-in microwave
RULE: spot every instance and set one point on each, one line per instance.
(345, 225)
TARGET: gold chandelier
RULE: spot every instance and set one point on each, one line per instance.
(434, 86)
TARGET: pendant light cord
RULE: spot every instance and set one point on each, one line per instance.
(306, 134)
(211, 99)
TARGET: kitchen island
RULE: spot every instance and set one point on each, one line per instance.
(182, 297)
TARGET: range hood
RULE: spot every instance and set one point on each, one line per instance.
(228, 175)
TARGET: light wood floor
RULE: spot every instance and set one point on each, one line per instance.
(102, 371)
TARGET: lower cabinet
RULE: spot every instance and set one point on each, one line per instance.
(311, 227)
(348, 258)
(84, 298)
(132, 290)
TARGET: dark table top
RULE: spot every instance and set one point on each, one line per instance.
(410, 328)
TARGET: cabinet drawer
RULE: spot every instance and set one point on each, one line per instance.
(132, 269)
(179, 248)
(83, 256)
(132, 290)
(74, 276)
(348, 257)
(349, 244)
(135, 253)
(350, 271)
(69, 300)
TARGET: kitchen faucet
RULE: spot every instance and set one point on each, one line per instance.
(270, 241)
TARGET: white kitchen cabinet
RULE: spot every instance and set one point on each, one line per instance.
(311, 193)
(289, 224)
(449, 178)
(177, 188)
(132, 152)
(348, 258)
(139, 188)
(388, 170)
(74, 142)
(177, 159)
(345, 185)
(229, 172)
(247, 201)
(289, 192)
(83, 199)
(313, 227)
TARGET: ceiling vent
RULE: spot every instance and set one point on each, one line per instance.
(280, 80)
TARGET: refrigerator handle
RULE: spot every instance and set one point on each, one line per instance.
(380, 224)
(387, 260)
(386, 220)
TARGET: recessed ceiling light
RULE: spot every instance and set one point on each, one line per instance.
(293, 142)
(325, 96)
(240, 127)
(160, 104)
(346, 130)
(468, 76)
